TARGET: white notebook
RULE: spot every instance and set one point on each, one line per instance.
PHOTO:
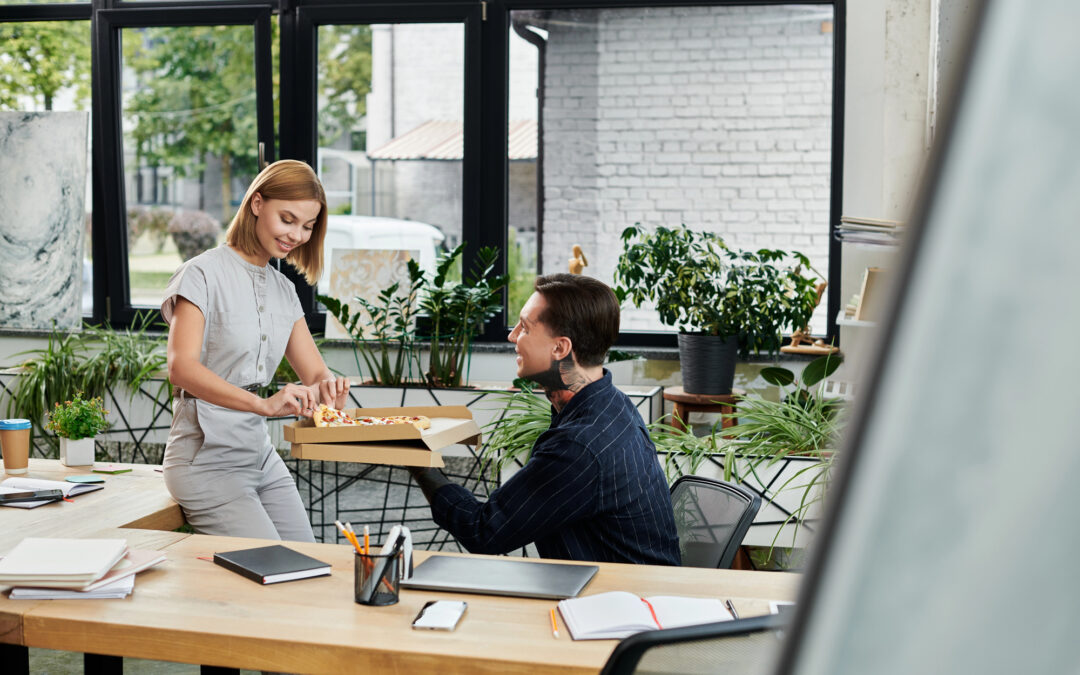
(60, 563)
(617, 614)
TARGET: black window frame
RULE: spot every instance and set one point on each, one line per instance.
(111, 249)
(485, 163)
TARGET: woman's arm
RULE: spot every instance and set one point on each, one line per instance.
(187, 372)
(305, 359)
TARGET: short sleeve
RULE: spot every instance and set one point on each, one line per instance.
(290, 303)
(188, 282)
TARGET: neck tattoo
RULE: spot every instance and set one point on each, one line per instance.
(561, 381)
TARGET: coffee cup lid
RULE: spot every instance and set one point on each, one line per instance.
(13, 424)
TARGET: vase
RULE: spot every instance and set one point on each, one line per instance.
(707, 363)
(77, 453)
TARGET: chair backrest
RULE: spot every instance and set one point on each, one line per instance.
(711, 518)
(745, 646)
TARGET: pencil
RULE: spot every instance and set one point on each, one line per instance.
(554, 626)
(367, 539)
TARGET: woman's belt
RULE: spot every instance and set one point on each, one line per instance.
(181, 394)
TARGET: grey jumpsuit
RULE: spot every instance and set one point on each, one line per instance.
(219, 463)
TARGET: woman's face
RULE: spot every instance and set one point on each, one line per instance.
(281, 226)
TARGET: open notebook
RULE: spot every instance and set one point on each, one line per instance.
(617, 614)
(20, 484)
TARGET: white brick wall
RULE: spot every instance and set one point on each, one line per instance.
(716, 117)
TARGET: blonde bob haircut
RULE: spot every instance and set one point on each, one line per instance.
(288, 180)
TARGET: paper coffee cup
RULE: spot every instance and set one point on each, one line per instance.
(15, 445)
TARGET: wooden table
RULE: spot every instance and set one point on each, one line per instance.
(191, 610)
(685, 404)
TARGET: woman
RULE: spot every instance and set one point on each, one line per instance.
(231, 317)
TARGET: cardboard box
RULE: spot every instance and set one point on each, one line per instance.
(395, 444)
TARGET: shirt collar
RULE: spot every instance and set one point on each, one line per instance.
(582, 398)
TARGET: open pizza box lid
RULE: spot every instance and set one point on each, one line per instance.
(394, 444)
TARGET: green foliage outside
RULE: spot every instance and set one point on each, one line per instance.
(344, 79)
(43, 59)
(78, 418)
(522, 274)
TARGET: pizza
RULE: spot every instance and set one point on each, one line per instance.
(325, 416)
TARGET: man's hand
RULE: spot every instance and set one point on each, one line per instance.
(429, 480)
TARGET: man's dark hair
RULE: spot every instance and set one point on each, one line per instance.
(582, 309)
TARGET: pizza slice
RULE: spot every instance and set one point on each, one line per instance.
(325, 416)
(419, 421)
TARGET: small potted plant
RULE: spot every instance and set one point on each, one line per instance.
(76, 422)
(724, 302)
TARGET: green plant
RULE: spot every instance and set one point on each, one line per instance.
(78, 418)
(89, 362)
(457, 311)
(386, 340)
(697, 283)
(130, 356)
(49, 374)
(511, 436)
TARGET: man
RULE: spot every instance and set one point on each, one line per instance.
(592, 488)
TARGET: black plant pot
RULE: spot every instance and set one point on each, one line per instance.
(707, 362)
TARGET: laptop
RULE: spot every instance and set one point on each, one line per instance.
(500, 576)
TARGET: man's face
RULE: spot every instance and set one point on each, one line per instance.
(534, 345)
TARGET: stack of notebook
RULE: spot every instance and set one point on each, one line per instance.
(74, 568)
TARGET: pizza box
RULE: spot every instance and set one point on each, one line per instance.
(396, 444)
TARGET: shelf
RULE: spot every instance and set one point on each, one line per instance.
(853, 323)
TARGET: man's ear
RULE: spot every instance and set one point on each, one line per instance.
(563, 347)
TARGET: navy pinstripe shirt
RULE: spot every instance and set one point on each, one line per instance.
(592, 490)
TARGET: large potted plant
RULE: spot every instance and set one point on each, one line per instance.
(725, 302)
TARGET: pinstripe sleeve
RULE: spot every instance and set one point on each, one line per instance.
(555, 487)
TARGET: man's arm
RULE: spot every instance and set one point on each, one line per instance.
(554, 488)
(429, 479)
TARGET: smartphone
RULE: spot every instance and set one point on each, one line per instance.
(31, 496)
(440, 615)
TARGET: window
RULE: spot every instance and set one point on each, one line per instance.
(718, 118)
(527, 129)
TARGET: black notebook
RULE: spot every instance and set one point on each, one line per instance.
(272, 564)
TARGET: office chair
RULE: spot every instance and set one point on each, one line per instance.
(744, 646)
(711, 518)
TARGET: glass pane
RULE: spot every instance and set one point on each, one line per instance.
(391, 105)
(718, 118)
(45, 65)
(190, 144)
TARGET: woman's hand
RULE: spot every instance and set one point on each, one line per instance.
(334, 392)
(292, 399)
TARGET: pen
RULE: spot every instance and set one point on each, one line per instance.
(731, 608)
(554, 626)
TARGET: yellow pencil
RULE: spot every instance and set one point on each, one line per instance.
(367, 539)
(554, 626)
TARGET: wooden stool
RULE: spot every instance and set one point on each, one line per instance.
(688, 403)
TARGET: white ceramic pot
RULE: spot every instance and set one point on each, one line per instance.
(77, 453)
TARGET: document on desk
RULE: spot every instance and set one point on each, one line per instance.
(60, 563)
(618, 614)
(20, 484)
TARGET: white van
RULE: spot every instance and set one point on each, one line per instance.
(380, 233)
